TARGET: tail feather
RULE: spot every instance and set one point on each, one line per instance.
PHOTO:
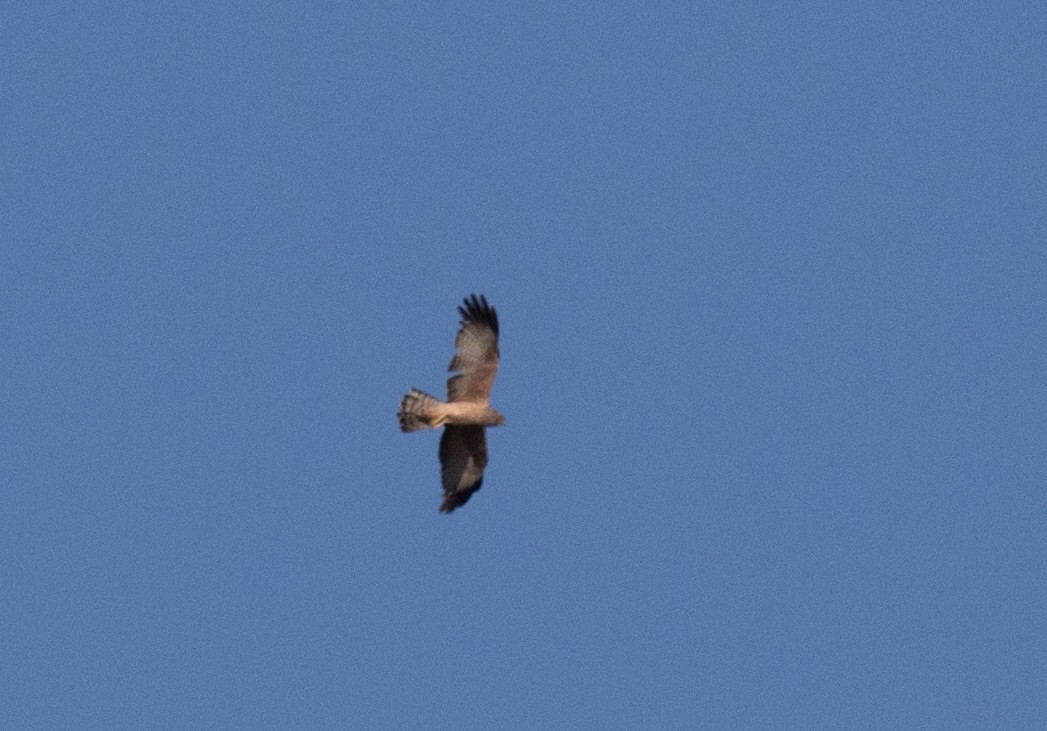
(417, 410)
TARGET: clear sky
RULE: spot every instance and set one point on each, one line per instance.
(773, 293)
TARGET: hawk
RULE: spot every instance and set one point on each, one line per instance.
(467, 411)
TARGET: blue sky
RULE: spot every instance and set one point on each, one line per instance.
(773, 293)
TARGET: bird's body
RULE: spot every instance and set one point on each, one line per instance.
(467, 411)
(421, 411)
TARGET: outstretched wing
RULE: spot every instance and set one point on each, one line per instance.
(476, 359)
(463, 456)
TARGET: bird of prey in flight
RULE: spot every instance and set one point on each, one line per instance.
(467, 412)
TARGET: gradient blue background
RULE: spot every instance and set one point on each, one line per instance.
(773, 291)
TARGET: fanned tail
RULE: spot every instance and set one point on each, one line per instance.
(417, 410)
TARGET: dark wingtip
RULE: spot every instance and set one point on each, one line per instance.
(457, 499)
(476, 309)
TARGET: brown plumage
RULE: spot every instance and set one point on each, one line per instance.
(467, 411)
